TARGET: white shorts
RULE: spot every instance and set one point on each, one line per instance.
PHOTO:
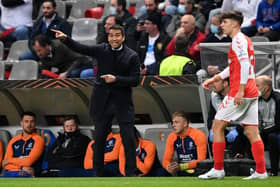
(246, 113)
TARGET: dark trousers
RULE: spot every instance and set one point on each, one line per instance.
(271, 35)
(271, 142)
(102, 127)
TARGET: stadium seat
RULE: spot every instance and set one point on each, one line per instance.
(5, 137)
(78, 9)
(259, 39)
(24, 70)
(2, 70)
(159, 137)
(85, 30)
(17, 48)
(49, 139)
(1, 50)
(263, 65)
(95, 12)
(88, 132)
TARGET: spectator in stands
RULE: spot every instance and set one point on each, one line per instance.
(152, 44)
(234, 134)
(111, 155)
(102, 35)
(23, 152)
(118, 8)
(16, 20)
(49, 20)
(178, 64)
(190, 144)
(269, 120)
(195, 37)
(150, 7)
(68, 151)
(268, 19)
(147, 161)
(249, 11)
(58, 58)
(118, 71)
(216, 34)
(186, 7)
(1, 154)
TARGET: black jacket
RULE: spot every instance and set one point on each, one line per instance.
(124, 64)
(265, 129)
(159, 49)
(64, 59)
(57, 23)
(68, 151)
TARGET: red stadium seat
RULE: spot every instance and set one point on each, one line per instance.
(95, 12)
(131, 9)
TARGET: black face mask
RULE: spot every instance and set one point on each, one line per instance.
(70, 134)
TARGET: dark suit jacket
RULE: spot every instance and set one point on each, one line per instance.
(124, 64)
(63, 58)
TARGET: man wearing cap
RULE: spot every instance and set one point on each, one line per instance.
(152, 44)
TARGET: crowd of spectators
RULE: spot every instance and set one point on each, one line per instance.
(151, 34)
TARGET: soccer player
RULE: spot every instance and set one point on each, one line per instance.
(241, 102)
(24, 150)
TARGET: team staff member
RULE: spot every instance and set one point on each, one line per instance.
(111, 155)
(118, 72)
(190, 144)
(147, 160)
(23, 150)
(241, 102)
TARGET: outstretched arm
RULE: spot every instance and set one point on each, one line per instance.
(207, 83)
(76, 46)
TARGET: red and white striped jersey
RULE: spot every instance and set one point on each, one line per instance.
(241, 68)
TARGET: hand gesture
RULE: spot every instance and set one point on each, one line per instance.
(108, 78)
(59, 35)
(207, 83)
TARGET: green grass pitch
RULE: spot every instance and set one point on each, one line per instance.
(137, 182)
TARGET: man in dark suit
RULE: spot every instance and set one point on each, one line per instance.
(118, 71)
(58, 58)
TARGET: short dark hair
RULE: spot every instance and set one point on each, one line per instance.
(118, 27)
(74, 118)
(182, 114)
(181, 43)
(28, 113)
(122, 3)
(42, 39)
(52, 2)
(118, 21)
(233, 14)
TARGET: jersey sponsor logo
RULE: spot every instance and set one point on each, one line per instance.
(186, 157)
(191, 146)
(178, 145)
